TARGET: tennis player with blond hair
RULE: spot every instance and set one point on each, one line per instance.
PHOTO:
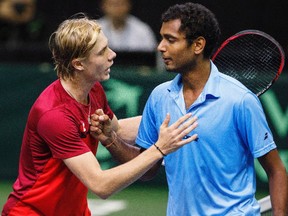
(57, 160)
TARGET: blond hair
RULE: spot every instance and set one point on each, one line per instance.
(74, 38)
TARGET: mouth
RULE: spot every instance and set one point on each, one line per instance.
(109, 68)
(166, 60)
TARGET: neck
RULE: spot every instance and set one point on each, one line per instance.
(194, 82)
(75, 91)
(196, 78)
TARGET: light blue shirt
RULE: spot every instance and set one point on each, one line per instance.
(214, 175)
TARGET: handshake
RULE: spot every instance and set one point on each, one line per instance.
(170, 138)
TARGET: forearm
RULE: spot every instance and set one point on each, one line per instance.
(128, 129)
(278, 192)
(277, 176)
(123, 152)
(105, 183)
(120, 150)
(119, 177)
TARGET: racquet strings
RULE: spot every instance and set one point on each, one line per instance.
(254, 60)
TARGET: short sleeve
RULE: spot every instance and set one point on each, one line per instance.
(147, 133)
(61, 134)
(253, 126)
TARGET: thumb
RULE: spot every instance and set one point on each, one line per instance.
(100, 114)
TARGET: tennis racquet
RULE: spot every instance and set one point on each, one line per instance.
(253, 57)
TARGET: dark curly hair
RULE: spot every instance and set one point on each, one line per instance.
(196, 21)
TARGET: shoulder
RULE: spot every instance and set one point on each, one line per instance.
(226, 82)
(97, 87)
(59, 116)
(53, 106)
(135, 20)
(159, 94)
(102, 21)
(98, 93)
(138, 24)
(232, 86)
(49, 99)
(162, 88)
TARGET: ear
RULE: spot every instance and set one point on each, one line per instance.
(77, 64)
(199, 45)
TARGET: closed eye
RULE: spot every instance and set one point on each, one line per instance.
(170, 38)
(102, 51)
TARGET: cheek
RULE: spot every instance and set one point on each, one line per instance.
(183, 61)
(182, 58)
(188, 54)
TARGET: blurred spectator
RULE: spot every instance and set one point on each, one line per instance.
(20, 11)
(19, 22)
(124, 31)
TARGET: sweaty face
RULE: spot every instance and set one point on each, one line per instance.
(176, 53)
(98, 63)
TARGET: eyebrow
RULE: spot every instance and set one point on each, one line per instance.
(100, 51)
(105, 47)
(168, 36)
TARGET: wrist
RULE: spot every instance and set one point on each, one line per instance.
(109, 141)
(162, 153)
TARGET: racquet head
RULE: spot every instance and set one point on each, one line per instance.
(253, 57)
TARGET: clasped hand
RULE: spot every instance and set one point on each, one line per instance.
(170, 137)
(101, 126)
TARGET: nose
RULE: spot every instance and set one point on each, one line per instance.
(161, 46)
(112, 55)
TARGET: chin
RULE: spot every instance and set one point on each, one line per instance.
(104, 78)
(170, 69)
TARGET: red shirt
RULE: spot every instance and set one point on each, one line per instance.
(57, 128)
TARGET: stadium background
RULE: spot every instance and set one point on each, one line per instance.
(27, 69)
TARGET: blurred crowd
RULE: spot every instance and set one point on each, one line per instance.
(26, 25)
(24, 21)
(20, 22)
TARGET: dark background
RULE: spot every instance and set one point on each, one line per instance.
(233, 15)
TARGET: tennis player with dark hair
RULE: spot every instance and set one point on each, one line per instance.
(57, 159)
(214, 174)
